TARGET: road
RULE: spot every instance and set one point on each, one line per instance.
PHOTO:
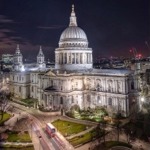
(38, 125)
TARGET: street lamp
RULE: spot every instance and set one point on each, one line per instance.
(142, 99)
(40, 142)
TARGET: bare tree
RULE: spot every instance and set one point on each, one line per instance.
(4, 98)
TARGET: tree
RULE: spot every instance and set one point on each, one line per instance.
(4, 97)
(103, 127)
(127, 132)
(118, 124)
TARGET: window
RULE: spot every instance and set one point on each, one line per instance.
(65, 61)
(132, 85)
(69, 59)
(73, 58)
(19, 88)
(32, 89)
(76, 85)
(110, 101)
(61, 100)
(72, 99)
(51, 82)
(81, 58)
(88, 98)
(98, 99)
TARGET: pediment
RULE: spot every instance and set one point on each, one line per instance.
(50, 73)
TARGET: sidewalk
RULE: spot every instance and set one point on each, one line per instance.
(81, 133)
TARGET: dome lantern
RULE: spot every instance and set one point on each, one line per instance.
(73, 19)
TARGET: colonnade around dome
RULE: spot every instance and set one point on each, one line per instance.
(73, 58)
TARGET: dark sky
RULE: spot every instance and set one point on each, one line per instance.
(113, 27)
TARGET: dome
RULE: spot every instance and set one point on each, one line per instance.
(73, 52)
(73, 33)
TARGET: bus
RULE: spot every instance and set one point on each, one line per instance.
(50, 129)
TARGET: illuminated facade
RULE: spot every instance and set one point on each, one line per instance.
(74, 82)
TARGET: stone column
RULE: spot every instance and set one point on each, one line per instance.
(70, 58)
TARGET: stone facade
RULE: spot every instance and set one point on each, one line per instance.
(73, 81)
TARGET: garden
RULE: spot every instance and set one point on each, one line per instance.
(90, 114)
(67, 128)
(16, 137)
(6, 116)
(87, 137)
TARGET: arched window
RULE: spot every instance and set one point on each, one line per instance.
(110, 101)
(98, 87)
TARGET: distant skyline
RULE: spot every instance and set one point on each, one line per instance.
(113, 27)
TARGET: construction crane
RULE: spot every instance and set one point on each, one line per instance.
(134, 52)
(147, 44)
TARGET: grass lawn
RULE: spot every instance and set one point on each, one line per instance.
(68, 128)
(5, 118)
(18, 137)
(29, 101)
(82, 139)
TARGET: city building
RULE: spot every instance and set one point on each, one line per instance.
(7, 58)
(74, 81)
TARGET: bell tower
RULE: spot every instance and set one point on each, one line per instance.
(41, 59)
(18, 60)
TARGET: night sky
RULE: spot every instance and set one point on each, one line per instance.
(113, 27)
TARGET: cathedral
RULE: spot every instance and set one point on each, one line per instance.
(74, 81)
